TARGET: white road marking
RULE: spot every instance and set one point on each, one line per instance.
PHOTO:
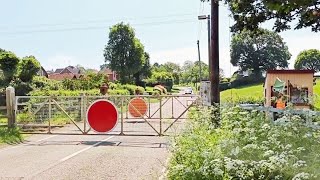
(85, 149)
(66, 158)
(46, 138)
(21, 145)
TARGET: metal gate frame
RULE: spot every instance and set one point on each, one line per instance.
(163, 99)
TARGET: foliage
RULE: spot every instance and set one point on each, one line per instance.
(90, 81)
(28, 68)
(124, 53)
(145, 72)
(249, 14)
(172, 68)
(132, 88)
(94, 92)
(308, 59)
(245, 146)
(41, 82)
(10, 135)
(9, 65)
(259, 52)
(21, 88)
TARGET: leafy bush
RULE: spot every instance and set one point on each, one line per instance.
(132, 88)
(245, 146)
(40, 82)
(243, 81)
(94, 92)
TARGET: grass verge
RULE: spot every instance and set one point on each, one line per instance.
(10, 135)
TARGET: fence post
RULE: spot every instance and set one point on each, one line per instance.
(50, 115)
(160, 133)
(83, 111)
(10, 103)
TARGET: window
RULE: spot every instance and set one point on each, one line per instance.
(299, 95)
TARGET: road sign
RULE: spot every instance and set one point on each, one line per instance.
(137, 107)
(102, 116)
(205, 92)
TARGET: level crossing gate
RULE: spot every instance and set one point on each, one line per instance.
(137, 115)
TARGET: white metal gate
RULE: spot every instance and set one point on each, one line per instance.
(67, 114)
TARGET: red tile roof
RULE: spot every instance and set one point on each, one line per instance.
(60, 77)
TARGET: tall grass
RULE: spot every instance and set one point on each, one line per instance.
(10, 135)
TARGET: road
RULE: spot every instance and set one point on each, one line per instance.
(104, 156)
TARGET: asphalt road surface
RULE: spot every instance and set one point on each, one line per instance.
(97, 156)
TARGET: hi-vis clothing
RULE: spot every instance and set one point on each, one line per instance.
(280, 104)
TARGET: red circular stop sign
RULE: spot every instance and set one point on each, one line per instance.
(102, 116)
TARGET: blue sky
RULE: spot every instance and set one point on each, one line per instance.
(71, 32)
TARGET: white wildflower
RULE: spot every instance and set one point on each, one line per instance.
(235, 151)
(268, 153)
(217, 171)
(300, 163)
(301, 176)
(266, 127)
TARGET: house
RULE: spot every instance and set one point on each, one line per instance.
(69, 72)
(42, 72)
(296, 86)
(112, 75)
(63, 76)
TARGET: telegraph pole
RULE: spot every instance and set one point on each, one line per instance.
(214, 53)
(199, 61)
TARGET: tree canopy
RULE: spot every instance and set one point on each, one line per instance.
(124, 53)
(145, 71)
(308, 59)
(29, 67)
(9, 65)
(259, 51)
(248, 14)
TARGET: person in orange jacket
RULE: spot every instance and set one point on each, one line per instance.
(281, 103)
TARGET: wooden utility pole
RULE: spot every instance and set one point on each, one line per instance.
(214, 53)
(200, 76)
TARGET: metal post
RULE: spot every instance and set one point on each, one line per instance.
(160, 132)
(50, 115)
(121, 115)
(84, 112)
(199, 61)
(214, 70)
(172, 108)
(149, 106)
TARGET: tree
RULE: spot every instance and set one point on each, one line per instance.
(259, 52)
(124, 53)
(248, 14)
(145, 72)
(9, 65)
(174, 69)
(29, 66)
(308, 59)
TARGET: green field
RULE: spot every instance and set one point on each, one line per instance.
(254, 91)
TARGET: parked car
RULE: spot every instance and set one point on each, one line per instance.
(188, 90)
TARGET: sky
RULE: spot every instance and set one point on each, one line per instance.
(71, 32)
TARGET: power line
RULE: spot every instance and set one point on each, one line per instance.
(100, 27)
(98, 21)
